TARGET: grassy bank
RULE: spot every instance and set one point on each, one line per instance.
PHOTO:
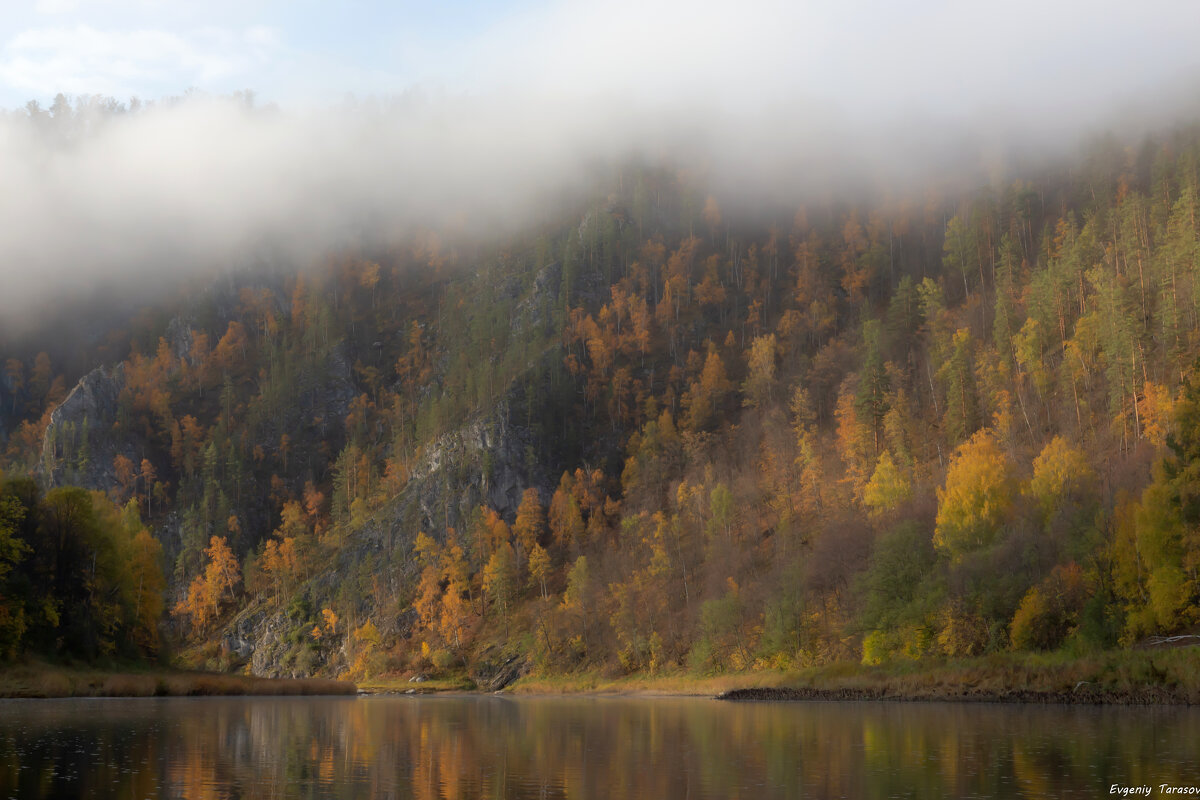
(43, 680)
(679, 684)
(1122, 677)
(402, 685)
(1169, 676)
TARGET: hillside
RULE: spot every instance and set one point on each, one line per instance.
(651, 432)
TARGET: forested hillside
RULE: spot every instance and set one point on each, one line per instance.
(656, 431)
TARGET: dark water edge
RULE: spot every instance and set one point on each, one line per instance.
(583, 747)
(1082, 694)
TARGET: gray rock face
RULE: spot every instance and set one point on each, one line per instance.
(266, 642)
(80, 444)
(179, 338)
(533, 309)
(494, 671)
(483, 461)
(264, 638)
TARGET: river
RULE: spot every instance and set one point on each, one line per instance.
(603, 747)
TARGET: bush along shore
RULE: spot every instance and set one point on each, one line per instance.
(47, 681)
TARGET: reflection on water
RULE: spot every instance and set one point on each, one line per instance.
(468, 747)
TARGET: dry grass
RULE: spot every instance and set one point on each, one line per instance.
(399, 684)
(1160, 676)
(40, 680)
(122, 685)
(683, 684)
(1137, 676)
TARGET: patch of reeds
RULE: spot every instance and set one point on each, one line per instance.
(51, 681)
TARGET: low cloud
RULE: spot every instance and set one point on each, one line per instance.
(776, 100)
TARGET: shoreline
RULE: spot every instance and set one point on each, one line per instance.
(1155, 676)
(1143, 696)
(46, 681)
(1130, 677)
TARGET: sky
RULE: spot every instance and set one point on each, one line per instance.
(286, 50)
(490, 107)
(942, 57)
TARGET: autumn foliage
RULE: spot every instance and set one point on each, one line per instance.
(657, 432)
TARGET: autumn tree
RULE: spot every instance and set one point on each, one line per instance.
(529, 528)
(760, 381)
(888, 488)
(499, 579)
(577, 600)
(958, 380)
(123, 470)
(855, 439)
(367, 643)
(707, 394)
(539, 568)
(874, 384)
(655, 457)
(209, 590)
(147, 586)
(1060, 471)
(565, 519)
(90, 577)
(1157, 552)
(974, 502)
(1050, 611)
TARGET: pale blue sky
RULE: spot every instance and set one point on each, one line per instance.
(283, 49)
(1042, 56)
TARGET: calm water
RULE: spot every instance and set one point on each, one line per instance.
(467, 747)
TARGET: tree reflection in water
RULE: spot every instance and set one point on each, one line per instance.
(482, 747)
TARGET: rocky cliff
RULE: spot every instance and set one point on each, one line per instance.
(486, 460)
(84, 436)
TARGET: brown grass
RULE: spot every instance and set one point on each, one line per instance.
(40, 680)
(683, 684)
(1119, 677)
(128, 686)
(1128, 676)
(399, 684)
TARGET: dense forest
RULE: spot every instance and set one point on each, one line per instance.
(918, 423)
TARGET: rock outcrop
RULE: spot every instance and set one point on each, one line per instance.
(81, 441)
(483, 461)
(493, 671)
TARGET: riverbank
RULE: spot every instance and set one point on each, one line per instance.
(36, 680)
(1136, 677)
(1130, 677)
(456, 683)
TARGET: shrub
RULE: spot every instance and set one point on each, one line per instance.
(1050, 611)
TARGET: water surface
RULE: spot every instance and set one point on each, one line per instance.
(485, 746)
